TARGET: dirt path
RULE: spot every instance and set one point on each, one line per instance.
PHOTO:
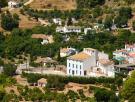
(29, 2)
(21, 81)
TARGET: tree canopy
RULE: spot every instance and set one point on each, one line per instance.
(128, 91)
(9, 21)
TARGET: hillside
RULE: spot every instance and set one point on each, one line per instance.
(53, 4)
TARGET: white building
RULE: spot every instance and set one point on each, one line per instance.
(98, 26)
(46, 38)
(67, 51)
(69, 29)
(1, 69)
(106, 67)
(86, 30)
(89, 63)
(42, 82)
(57, 21)
(13, 4)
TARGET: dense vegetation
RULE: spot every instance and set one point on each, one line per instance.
(9, 21)
(3, 3)
(89, 3)
(54, 13)
(128, 91)
(58, 82)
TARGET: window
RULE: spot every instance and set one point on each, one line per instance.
(80, 73)
(73, 65)
(69, 65)
(72, 72)
(85, 72)
(80, 67)
(76, 72)
(76, 66)
(69, 71)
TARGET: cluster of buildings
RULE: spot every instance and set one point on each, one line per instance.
(68, 29)
(13, 4)
(90, 62)
(78, 29)
(125, 55)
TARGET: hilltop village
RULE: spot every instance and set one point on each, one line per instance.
(67, 50)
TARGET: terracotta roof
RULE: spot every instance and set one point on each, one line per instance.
(132, 54)
(105, 62)
(80, 56)
(39, 36)
(130, 46)
(42, 80)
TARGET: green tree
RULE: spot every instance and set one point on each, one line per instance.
(2, 94)
(104, 95)
(97, 11)
(128, 91)
(9, 69)
(8, 21)
(129, 1)
(3, 3)
(108, 22)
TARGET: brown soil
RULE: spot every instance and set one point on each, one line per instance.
(53, 4)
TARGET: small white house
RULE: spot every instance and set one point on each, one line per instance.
(42, 82)
(46, 38)
(60, 29)
(67, 51)
(57, 21)
(13, 4)
(1, 69)
(86, 30)
(106, 67)
(69, 29)
(98, 26)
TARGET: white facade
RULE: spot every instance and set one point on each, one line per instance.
(68, 29)
(107, 69)
(90, 62)
(86, 30)
(1, 69)
(102, 55)
(57, 21)
(75, 68)
(13, 4)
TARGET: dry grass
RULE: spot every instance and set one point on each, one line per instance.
(53, 4)
(1, 29)
(25, 21)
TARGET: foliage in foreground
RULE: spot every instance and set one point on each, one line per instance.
(128, 91)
